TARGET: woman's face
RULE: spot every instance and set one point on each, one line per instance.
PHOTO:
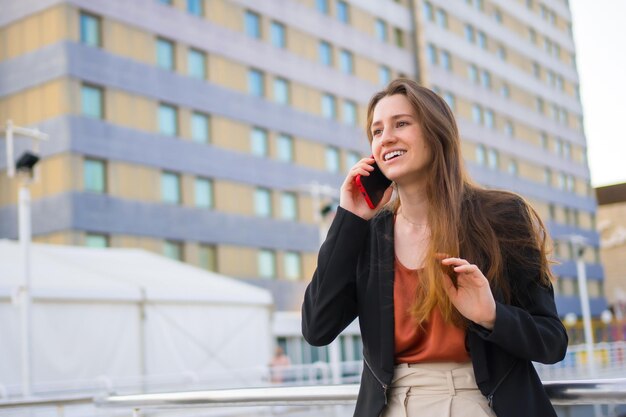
(398, 144)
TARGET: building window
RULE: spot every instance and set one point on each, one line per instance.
(170, 188)
(398, 37)
(570, 184)
(384, 75)
(536, 70)
(94, 171)
(332, 159)
(346, 62)
(266, 263)
(446, 60)
(96, 240)
(285, 148)
(490, 120)
(329, 108)
(166, 2)
(551, 211)
(477, 114)
(501, 53)
(263, 202)
(481, 155)
(508, 129)
(351, 159)
(428, 11)
(279, 37)
(173, 250)
(349, 113)
(293, 266)
(256, 83)
(442, 18)
(92, 102)
(288, 206)
(195, 7)
(203, 190)
(259, 142)
(450, 100)
(165, 54)
(532, 35)
(253, 24)
(322, 6)
(380, 28)
(326, 53)
(472, 73)
(547, 176)
(513, 169)
(168, 120)
(431, 51)
(207, 257)
(470, 34)
(200, 131)
(493, 159)
(485, 79)
(343, 12)
(539, 105)
(196, 62)
(281, 91)
(482, 39)
(567, 150)
(497, 15)
(90, 33)
(505, 91)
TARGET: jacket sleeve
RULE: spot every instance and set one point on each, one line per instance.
(529, 327)
(330, 299)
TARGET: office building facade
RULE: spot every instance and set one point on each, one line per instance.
(205, 130)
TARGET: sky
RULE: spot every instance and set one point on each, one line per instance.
(600, 35)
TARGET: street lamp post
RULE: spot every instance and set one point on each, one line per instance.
(25, 167)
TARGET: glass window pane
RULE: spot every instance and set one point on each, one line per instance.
(431, 51)
(289, 206)
(259, 142)
(332, 159)
(329, 109)
(343, 13)
(492, 159)
(322, 6)
(293, 266)
(278, 35)
(168, 120)
(477, 114)
(349, 113)
(482, 40)
(263, 202)
(384, 75)
(450, 100)
(326, 53)
(513, 170)
(281, 91)
(200, 128)
(399, 37)
(428, 11)
(94, 175)
(481, 155)
(203, 193)
(196, 62)
(256, 85)
(489, 119)
(207, 257)
(170, 188)
(267, 264)
(195, 7)
(95, 240)
(346, 62)
(446, 60)
(351, 159)
(253, 25)
(442, 18)
(485, 78)
(472, 72)
(91, 101)
(165, 54)
(90, 29)
(285, 148)
(173, 250)
(469, 33)
(381, 30)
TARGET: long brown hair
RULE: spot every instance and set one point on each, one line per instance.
(492, 229)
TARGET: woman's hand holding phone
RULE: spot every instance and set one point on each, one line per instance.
(351, 198)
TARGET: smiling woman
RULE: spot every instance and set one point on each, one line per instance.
(450, 281)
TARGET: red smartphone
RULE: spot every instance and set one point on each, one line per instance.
(373, 187)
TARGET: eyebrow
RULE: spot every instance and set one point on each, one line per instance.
(397, 116)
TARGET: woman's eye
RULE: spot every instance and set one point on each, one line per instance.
(376, 132)
(402, 123)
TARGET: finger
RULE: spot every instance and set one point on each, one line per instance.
(449, 286)
(466, 269)
(454, 261)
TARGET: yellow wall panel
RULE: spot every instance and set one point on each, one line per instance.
(59, 238)
(309, 154)
(133, 182)
(237, 261)
(305, 99)
(188, 191)
(366, 69)
(228, 74)
(229, 134)
(361, 20)
(225, 14)
(302, 44)
(233, 197)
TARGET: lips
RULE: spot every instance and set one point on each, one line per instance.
(393, 154)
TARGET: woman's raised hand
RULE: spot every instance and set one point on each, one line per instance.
(471, 295)
(351, 198)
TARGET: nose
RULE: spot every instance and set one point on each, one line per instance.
(388, 136)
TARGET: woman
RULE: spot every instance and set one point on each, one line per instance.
(450, 281)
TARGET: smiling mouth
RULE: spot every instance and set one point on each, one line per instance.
(391, 155)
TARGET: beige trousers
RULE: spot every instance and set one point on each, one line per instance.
(435, 390)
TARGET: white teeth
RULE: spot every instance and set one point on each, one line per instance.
(390, 155)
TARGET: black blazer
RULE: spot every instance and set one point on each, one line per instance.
(354, 278)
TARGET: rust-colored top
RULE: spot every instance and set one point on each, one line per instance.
(436, 341)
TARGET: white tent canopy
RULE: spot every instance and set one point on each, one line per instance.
(123, 313)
